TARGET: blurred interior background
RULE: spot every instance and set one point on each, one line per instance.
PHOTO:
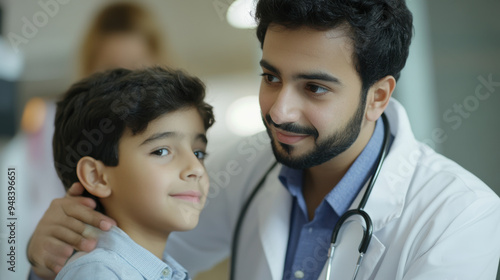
(450, 86)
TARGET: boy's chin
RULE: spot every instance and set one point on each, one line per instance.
(188, 225)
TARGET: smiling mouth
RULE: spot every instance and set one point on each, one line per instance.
(191, 196)
(289, 138)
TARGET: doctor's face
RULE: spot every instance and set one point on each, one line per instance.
(310, 95)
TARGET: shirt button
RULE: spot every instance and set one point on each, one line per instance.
(299, 274)
(310, 229)
(165, 272)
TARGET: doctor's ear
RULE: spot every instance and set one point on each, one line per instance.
(91, 173)
(378, 97)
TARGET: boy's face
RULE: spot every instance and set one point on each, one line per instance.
(310, 94)
(160, 184)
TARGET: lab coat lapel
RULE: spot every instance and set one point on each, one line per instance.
(345, 257)
(381, 207)
(275, 203)
(371, 258)
(387, 199)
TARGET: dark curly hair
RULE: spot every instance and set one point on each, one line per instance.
(381, 30)
(94, 113)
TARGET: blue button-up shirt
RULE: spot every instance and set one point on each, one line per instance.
(309, 240)
(117, 256)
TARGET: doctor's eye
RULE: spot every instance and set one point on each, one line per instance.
(161, 152)
(270, 79)
(316, 89)
(201, 155)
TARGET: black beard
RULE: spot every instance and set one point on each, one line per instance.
(323, 150)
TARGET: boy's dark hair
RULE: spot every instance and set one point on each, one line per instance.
(94, 113)
(381, 30)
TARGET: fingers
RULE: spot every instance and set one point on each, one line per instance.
(75, 190)
(65, 226)
(87, 215)
(56, 254)
(86, 201)
(93, 218)
(73, 239)
(51, 257)
(43, 273)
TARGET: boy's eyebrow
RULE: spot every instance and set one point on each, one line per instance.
(202, 137)
(158, 136)
(322, 76)
(172, 134)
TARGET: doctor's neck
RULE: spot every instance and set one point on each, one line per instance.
(321, 179)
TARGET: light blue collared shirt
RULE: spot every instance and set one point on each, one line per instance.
(309, 240)
(117, 256)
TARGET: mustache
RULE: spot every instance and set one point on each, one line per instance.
(293, 128)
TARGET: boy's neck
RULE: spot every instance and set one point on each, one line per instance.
(149, 239)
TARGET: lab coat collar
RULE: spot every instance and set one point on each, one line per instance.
(387, 199)
(386, 202)
(274, 225)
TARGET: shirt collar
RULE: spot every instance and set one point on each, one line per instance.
(343, 194)
(291, 180)
(145, 262)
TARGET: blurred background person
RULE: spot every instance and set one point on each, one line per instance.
(122, 35)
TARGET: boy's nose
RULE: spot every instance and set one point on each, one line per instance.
(193, 169)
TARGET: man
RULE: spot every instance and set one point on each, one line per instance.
(329, 69)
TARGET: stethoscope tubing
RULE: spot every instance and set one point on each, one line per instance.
(239, 223)
(367, 235)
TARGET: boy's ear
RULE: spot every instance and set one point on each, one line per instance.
(91, 173)
(378, 97)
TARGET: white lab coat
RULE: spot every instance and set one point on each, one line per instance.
(432, 218)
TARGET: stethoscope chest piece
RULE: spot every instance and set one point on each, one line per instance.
(342, 264)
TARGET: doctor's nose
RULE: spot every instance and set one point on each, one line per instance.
(286, 106)
(193, 168)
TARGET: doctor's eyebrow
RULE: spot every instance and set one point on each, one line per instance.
(264, 64)
(318, 76)
(321, 76)
(171, 134)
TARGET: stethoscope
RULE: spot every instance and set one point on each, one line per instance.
(367, 230)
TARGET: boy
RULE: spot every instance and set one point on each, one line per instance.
(136, 142)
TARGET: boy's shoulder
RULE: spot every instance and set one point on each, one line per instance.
(117, 256)
(100, 263)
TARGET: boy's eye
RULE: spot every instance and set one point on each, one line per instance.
(200, 154)
(161, 152)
